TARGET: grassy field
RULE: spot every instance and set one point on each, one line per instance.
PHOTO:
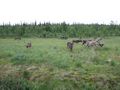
(49, 65)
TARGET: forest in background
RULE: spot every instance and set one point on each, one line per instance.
(59, 30)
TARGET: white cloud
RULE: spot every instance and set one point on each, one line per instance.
(83, 11)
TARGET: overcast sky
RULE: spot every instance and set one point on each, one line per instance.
(70, 11)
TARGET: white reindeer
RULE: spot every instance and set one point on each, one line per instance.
(91, 43)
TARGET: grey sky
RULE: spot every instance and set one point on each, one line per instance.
(70, 11)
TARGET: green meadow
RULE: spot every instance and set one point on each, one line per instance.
(50, 65)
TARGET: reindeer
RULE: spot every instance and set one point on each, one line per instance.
(76, 41)
(85, 41)
(29, 45)
(70, 45)
(91, 43)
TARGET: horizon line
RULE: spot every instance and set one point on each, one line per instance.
(51, 22)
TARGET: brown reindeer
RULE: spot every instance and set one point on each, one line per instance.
(29, 45)
(70, 45)
(76, 41)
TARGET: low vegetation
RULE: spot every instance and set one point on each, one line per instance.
(49, 65)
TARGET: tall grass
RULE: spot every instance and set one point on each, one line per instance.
(49, 65)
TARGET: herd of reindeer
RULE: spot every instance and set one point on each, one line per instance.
(70, 45)
(86, 42)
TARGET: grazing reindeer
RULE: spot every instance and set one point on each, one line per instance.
(29, 45)
(70, 45)
(98, 41)
(91, 43)
(85, 41)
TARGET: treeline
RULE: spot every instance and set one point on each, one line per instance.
(59, 30)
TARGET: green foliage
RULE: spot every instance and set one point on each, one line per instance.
(19, 58)
(5, 55)
(59, 30)
(49, 65)
(26, 74)
(11, 83)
